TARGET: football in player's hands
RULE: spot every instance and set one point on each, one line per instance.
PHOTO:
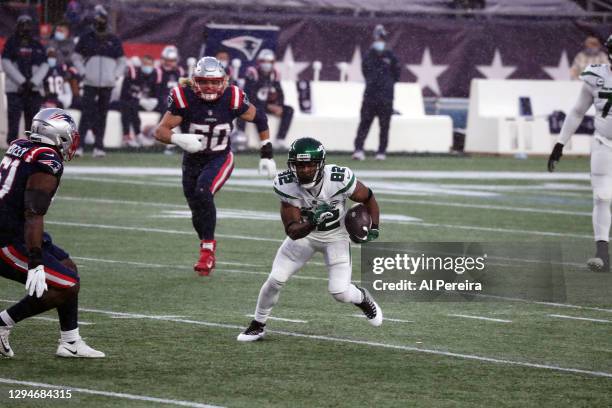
(358, 222)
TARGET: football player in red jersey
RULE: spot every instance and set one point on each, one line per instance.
(29, 176)
(204, 109)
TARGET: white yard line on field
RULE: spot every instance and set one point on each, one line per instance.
(362, 342)
(251, 238)
(107, 393)
(387, 319)
(391, 174)
(51, 319)
(588, 319)
(160, 265)
(480, 318)
(160, 230)
(185, 267)
(281, 319)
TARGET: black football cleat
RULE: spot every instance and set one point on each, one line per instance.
(254, 332)
(601, 261)
(370, 308)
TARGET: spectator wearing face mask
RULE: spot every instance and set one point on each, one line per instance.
(591, 54)
(140, 91)
(63, 43)
(57, 92)
(381, 71)
(98, 57)
(24, 63)
(263, 87)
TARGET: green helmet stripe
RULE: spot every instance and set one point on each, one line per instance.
(350, 183)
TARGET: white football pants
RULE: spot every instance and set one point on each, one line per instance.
(292, 256)
(601, 181)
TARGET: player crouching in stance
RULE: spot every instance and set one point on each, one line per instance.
(596, 91)
(313, 203)
(205, 110)
(29, 176)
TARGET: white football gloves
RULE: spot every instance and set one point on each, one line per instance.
(189, 142)
(148, 104)
(36, 281)
(267, 167)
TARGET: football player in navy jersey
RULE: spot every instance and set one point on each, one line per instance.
(29, 176)
(204, 110)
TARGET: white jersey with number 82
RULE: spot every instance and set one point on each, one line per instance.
(337, 185)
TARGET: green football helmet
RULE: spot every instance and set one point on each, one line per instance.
(307, 150)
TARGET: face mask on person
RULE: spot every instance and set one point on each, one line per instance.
(59, 35)
(52, 61)
(378, 46)
(147, 69)
(265, 66)
(224, 63)
(100, 26)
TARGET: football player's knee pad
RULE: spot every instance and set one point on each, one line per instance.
(602, 194)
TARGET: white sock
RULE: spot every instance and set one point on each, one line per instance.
(356, 295)
(268, 296)
(7, 319)
(601, 219)
(70, 336)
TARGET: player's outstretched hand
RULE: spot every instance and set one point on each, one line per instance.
(267, 167)
(36, 281)
(189, 142)
(555, 156)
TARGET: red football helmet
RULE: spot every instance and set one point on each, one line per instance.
(209, 79)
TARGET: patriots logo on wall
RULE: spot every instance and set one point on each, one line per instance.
(243, 42)
(246, 44)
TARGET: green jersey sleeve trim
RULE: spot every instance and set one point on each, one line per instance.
(349, 185)
(585, 73)
(280, 193)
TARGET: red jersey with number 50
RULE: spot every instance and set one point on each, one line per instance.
(22, 159)
(213, 119)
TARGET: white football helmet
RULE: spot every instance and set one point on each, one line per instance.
(170, 52)
(55, 127)
(209, 78)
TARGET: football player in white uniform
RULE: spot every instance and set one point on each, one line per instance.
(597, 91)
(313, 204)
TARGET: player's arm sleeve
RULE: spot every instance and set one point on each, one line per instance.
(284, 195)
(574, 118)
(347, 185)
(177, 103)
(49, 162)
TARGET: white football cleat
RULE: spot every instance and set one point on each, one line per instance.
(98, 153)
(254, 332)
(359, 155)
(5, 347)
(78, 349)
(370, 308)
(381, 156)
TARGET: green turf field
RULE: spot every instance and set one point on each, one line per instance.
(169, 335)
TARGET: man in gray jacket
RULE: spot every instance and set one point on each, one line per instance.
(24, 62)
(98, 56)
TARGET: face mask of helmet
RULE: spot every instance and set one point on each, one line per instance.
(378, 46)
(210, 89)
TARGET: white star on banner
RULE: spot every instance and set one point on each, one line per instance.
(427, 72)
(353, 68)
(562, 71)
(288, 68)
(496, 70)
